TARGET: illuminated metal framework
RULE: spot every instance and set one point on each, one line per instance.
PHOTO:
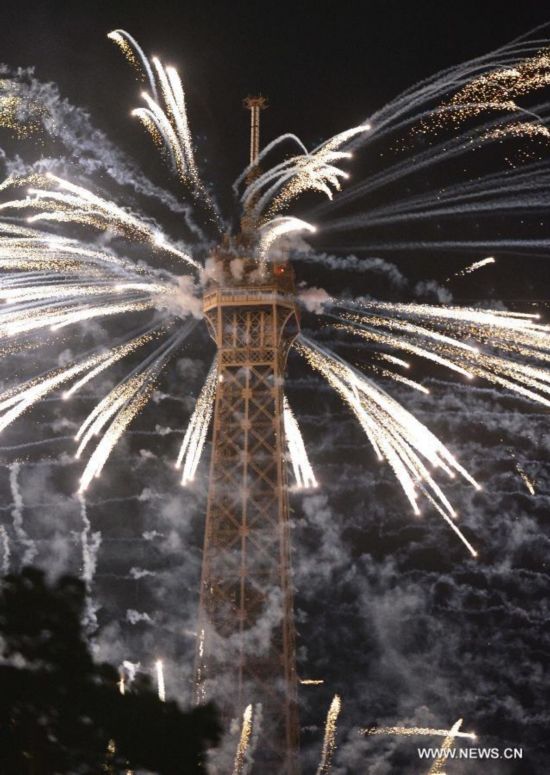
(246, 651)
(254, 105)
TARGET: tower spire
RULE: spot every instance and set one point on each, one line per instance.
(254, 105)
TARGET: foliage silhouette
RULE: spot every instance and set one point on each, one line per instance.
(60, 712)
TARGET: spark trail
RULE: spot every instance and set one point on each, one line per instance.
(527, 481)
(396, 436)
(66, 251)
(195, 435)
(448, 743)
(161, 687)
(420, 731)
(56, 282)
(303, 472)
(329, 741)
(473, 267)
(240, 765)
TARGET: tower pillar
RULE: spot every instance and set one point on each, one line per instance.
(246, 640)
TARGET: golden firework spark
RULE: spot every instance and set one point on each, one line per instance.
(239, 766)
(329, 741)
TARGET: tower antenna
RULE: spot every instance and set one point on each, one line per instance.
(254, 105)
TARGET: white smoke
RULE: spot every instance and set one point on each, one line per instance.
(140, 573)
(87, 148)
(313, 299)
(5, 547)
(184, 302)
(356, 264)
(134, 617)
(90, 548)
(17, 515)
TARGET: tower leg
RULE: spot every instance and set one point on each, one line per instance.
(246, 650)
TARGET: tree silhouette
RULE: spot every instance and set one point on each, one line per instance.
(60, 712)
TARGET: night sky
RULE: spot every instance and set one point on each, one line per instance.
(391, 612)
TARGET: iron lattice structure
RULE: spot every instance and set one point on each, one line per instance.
(246, 643)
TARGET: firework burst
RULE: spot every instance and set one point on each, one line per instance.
(59, 275)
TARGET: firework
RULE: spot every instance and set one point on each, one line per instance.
(450, 736)
(52, 282)
(329, 741)
(199, 688)
(161, 688)
(311, 682)
(195, 435)
(437, 334)
(473, 267)
(239, 767)
(23, 117)
(55, 282)
(303, 472)
(315, 171)
(135, 56)
(420, 731)
(123, 403)
(60, 201)
(274, 230)
(527, 481)
(165, 117)
(448, 743)
(396, 436)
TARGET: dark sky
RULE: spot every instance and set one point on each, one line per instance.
(323, 66)
(390, 611)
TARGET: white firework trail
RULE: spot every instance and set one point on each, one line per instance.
(161, 686)
(240, 765)
(315, 171)
(195, 435)
(124, 402)
(303, 472)
(396, 436)
(126, 410)
(15, 401)
(54, 282)
(448, 744)
(329, 741)
(117, 354)
(486, 83)
(450, 736)
(527, 481)
(505, 348)
(165, 117)
(68, 202)
(420, 731)
(274, 230)
(17, 515)
(473, 267)
(200, 691)
(135, 55)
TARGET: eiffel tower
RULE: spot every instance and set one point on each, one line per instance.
(246, 639)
